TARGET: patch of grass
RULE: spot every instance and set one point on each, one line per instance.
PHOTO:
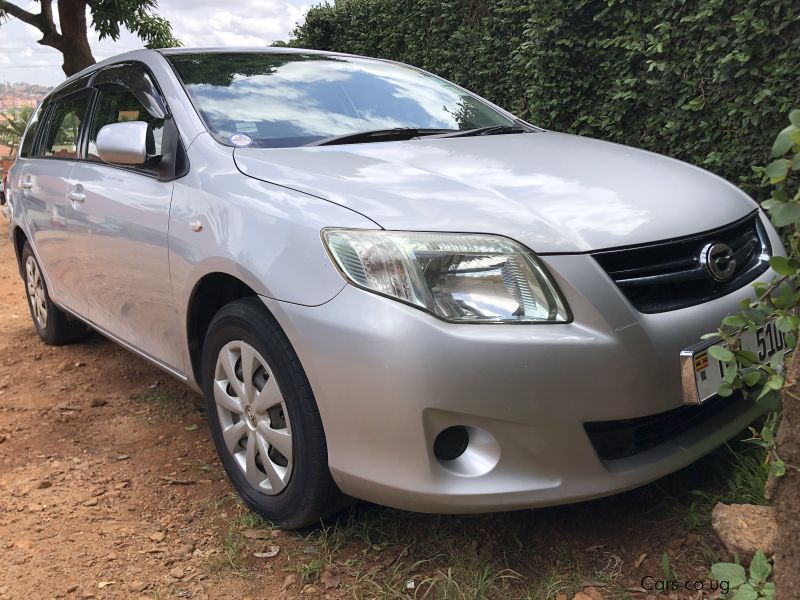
(551, 585)
(231, 556)
(734, 474)
(247, 519)
(214, 472)
(155, 395)
(167, 400)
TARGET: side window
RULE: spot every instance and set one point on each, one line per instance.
(64, 126)
(116, 104)
(30, 133)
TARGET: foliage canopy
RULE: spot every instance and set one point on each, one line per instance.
(706, 81)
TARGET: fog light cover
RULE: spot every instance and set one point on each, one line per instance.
(458, 277)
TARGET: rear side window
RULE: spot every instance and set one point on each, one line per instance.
(30, 133)
(64, 126)
(116, 104)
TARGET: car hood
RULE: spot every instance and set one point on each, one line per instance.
(553, 192)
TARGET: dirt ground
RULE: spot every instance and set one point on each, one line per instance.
(110, 488)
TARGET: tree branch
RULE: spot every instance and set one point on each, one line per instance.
(22, 15)
(43, 21)
(46, 17)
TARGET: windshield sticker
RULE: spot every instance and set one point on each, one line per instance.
(240, 139)
(251, 128)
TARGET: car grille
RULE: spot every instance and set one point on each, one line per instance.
(619, 439)
(669, 275)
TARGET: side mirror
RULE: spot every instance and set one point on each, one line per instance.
(128, 143)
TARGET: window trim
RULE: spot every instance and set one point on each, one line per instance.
(44, 132)
(167, 118)
(41, 112)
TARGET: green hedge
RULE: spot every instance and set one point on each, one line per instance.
(705, 81)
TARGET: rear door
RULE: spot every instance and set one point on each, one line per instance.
(118, 220)
(44, 179)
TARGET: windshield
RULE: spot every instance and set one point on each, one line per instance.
(282, 100)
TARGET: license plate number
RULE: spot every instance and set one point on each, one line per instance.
(702, 374)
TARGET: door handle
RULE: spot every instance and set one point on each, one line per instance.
(77, 195)
(27, 182)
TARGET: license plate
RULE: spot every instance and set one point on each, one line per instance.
(702, 374)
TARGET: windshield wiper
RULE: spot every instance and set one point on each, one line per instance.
(491, 130)
(379, 135)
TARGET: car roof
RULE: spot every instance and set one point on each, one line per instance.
(243, 49)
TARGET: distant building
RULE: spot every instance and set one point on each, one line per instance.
(20, 95)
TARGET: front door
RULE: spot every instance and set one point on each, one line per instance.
(118, 219)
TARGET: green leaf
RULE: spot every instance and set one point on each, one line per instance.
(778, 468)
(755, 315)
(776, 362)
(785, 214)
(721, 353)
(787, 323)
(777, 170)
(769, 399)
(732, 573)
(767, 435)
(748, 355)
(791, 340)
(752, 377)
(725, 390)
(783, 143)
(768, 591)
(783, 266)
(794, 117)
(746, 592)
(775, 382)
(730, 374)
(665, 565)
(760, 567)
(734, 321)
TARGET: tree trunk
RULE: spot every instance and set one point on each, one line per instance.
(785, 493)
(74, 43)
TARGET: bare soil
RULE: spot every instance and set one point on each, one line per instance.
(110, 488)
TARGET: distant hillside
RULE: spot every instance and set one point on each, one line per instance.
(20, 95)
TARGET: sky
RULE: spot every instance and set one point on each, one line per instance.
(194, 22)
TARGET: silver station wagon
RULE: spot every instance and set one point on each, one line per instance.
(386, 287)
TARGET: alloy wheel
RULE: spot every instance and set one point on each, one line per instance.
(36, 294)
(253, 417)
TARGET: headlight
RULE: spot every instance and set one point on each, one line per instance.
(458, 277)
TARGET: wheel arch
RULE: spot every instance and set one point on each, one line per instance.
(210, 293)
(18, 238)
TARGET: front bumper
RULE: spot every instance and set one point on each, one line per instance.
(388, 378)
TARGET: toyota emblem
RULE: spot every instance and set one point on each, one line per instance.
(718, 259)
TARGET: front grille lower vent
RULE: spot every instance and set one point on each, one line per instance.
(669, 275)
(613, 440)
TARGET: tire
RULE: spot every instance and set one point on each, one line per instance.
(53, 325)
(294, 488)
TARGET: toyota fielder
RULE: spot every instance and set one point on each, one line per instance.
(385, 286)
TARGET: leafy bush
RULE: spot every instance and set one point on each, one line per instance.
(700, 80)
(777, 301)
(742, 587)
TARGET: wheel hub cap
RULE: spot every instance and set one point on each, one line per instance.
(253, 416)
(34, 285)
